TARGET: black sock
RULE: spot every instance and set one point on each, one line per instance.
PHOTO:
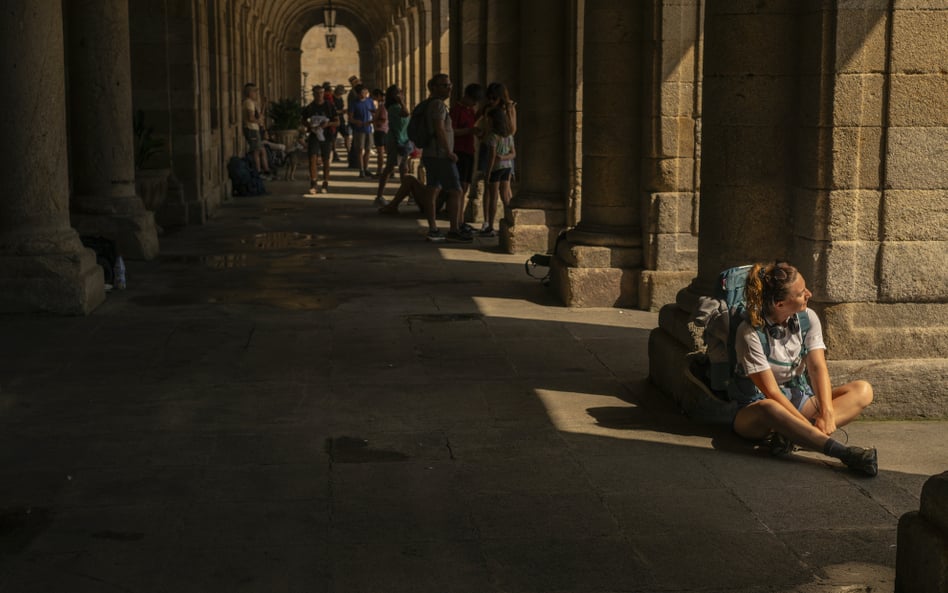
(834, 448)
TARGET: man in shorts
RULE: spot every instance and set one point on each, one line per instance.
(440, 163)
(319, 117)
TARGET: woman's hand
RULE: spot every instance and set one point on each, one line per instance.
(826, 422)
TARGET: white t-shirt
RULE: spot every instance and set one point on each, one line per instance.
(785, 361)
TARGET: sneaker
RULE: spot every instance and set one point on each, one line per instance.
(361, 174)
(325, 187)
(779, 445)
(863, 461)
(488, 232)
(459, 237)
(379, 201)
(435, 236)
(468, 229)
(312, 188)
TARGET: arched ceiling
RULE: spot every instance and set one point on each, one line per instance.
(369, 20)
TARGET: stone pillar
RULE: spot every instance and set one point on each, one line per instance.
(43, 266)
(538, 210)
(503, 45)
(921, 562)
(152, 95)
(294, 71)
(671, 164)
(599, 263)
(102, 143)
(473, 32)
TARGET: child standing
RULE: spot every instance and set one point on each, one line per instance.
(500, 156)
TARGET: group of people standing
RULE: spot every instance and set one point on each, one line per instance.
(475, 135)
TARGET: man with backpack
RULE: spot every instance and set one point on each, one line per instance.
(438, 158)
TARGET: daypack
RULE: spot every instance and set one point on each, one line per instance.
(106, 254)
(419, 132)
(720, 316)
(244, 179)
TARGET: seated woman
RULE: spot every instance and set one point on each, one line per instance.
(784, 387)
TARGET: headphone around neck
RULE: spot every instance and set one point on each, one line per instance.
(779, 332)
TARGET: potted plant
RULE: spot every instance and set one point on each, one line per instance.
(286, 114)
(146, 146)
(151, 184)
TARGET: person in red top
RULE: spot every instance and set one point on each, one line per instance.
(463, 117)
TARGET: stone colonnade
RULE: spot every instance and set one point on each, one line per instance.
(77, 74)
(811, 131)
(615, 89)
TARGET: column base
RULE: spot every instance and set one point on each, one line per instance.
(531, 230)
(601, 271)
(657, 288)
(68, 283)
(135, 234)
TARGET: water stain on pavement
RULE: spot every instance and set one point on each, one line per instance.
(356, 450)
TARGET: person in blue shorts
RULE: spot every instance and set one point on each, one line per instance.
(784, 391)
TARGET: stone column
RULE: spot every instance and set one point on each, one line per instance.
(294, 71)
(43, 266)
(599, 263)
(102, 143)
(921, 562)
(538, 210)
(473, 30)
(671, 163)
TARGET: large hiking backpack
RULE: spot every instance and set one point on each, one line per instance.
(419, 132)
(720, 316)
(244, 179)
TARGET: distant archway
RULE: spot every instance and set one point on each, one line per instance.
(318, 64)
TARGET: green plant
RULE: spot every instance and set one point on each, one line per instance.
(145, 145)
(286, 114)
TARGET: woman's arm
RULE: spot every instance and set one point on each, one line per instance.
(491, 156)
(820, 382)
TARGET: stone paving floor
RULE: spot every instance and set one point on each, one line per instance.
(304, 396)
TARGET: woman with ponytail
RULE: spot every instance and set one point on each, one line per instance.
(782, 384)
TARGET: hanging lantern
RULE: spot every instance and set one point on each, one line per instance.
(331, 40)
